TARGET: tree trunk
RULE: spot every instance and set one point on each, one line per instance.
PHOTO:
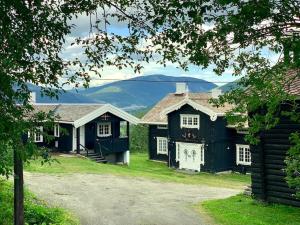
(18, 190)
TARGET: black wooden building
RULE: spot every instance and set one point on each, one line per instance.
(188, 132)
(87, 128)
(268, 158)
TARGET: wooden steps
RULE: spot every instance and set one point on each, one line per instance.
(95, 157)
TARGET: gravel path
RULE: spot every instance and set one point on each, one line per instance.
(115, 200)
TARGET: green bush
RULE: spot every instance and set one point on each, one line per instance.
(36, 212)
(139, 134)
(139, 138)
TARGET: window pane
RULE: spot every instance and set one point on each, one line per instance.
(184, 120)
(195, 120)
(190, 121)
(247, 155)
(241, 154)
(165, 146)
(100, 129)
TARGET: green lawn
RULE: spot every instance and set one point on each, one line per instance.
(243, 210)
(36, 211)
(140, 166)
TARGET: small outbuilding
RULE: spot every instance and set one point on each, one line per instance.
(97, 130)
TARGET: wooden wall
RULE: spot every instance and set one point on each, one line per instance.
(268, 176)
(154, 132)
(219, 153)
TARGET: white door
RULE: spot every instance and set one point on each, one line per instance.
(82, 136)
(190, 155)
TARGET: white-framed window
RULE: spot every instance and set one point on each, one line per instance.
(104, 129)
(162, 127)
(243, 155)
(37, 134)
(189, 121)
(56, 130)
(123, 129)
(162, 145)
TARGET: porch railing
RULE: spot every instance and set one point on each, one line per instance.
(112, 145)
(85, 148)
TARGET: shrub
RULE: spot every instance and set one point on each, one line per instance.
(36, 212)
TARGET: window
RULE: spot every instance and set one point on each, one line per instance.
(38, 135)
(243, 155)
(56, 130)
(123, 129)
(162, 126)
(162, 145)
(189, 121)
(104, 129)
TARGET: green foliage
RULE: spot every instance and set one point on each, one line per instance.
(293, 163)
(36, 212)
(139, 138)
(222, 34)
(139, 135)
(243, 210)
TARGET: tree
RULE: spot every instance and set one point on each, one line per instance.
(224, 34)
(32, 37)
(227, 34)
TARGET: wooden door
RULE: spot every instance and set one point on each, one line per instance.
(190, 156)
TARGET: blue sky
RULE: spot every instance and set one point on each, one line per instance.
(82, 29)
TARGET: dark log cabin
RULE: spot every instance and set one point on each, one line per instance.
(100, 131)
(268, 176)
(188, 132)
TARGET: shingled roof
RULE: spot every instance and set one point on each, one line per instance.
(79, 114)
(293, 82)
(158, 114)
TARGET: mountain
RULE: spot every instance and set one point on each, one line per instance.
(142, 92)
(229, 86)
(64, 97)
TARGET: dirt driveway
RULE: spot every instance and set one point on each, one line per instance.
(114, 200)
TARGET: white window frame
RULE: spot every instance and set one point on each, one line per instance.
(41, 138)
(159, 147)
(162, 127)
(56, 130)
(187, 118)
(104, 134)
(243, 148)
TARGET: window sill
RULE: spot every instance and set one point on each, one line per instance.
(161, 153)
(243, 164)
(106, 135)
(190, 127)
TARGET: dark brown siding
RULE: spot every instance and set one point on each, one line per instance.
(154, 132)
(268, 176)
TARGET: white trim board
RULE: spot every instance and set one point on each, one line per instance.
(213, 115)
(154, 123)
(107, 108)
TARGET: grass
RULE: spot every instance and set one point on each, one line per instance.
(243, 210)
(35, 212)
(140, 166)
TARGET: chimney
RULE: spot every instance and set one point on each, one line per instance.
(181, 88)
(32, 99)
(216, 92)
